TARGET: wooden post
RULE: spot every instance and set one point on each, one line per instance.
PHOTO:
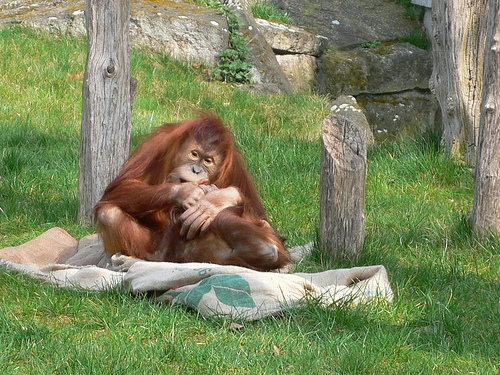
(458, 45)
(485, 216)
(106, 115)
(342, 197)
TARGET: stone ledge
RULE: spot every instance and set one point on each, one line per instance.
(287, 39)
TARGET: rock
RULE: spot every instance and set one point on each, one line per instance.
(67, 16)
(347, 106)
(406, 113)
(300, 70)
(185, 31)
(264, 66)
(296, 50)
(349, 22)
(287, 39)
(388, 68)
(390, 83)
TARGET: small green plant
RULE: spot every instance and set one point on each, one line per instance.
(373, 44)
(262, 9)
(233, 65)
(418, 38)
(213, 4)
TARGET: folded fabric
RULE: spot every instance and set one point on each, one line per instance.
(214, 290)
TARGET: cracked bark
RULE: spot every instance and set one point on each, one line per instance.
(106, 114)
(485, 216)
(343, 182)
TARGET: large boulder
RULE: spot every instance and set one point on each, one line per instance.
(296, 51)
(391, 67)
(185, 31)
(67, 16)
(265, 68)
(390, 82)
(392, 116)
(349, 22)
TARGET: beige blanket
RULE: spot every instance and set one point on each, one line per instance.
(214, 290)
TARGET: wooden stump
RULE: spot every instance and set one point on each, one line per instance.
(106, 115)
(343, 181)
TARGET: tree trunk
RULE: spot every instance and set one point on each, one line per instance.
(106, 116)
(343, 181)
(457, 79)
(485, 214)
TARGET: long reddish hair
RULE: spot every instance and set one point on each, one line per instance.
(153, 160)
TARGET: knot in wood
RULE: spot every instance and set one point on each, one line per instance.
(110, 70)
(450, 106)
(490, 108)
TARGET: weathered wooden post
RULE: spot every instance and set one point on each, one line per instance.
(342, 197)
(485, 216)
(458, 46)
(106, 115)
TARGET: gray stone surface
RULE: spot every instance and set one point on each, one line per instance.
(265, 68)
(390, 83)
(349, 22)
(287, 39)
(394, 115)
(385, 69)
(185, 31)
(300, 70)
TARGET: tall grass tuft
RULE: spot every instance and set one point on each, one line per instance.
(264, 9)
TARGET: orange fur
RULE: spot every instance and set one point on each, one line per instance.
(141, 212)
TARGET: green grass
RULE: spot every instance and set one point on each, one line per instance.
(263, 9)
(418, 38)
(445, 317)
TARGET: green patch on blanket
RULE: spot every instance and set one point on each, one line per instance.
(232, 290)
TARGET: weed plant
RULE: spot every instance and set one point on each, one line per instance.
(445, 317)
(233, 65)
(417, 37)
(263, 9)
(372, 44)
